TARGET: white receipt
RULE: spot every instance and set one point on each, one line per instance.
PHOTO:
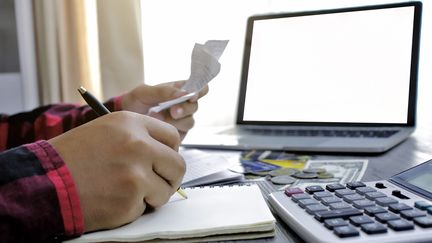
(204, 67)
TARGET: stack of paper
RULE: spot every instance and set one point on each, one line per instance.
(204, 169)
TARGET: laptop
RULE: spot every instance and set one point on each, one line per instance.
(338, 80)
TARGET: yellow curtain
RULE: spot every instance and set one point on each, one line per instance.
(76, 39)
(120, 45)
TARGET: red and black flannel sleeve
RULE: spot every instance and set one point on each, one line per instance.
(45, 122)
(38, 198)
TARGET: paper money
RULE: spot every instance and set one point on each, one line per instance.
(343, 171)
(204, 67)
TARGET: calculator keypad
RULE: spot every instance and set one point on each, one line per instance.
(348, 209)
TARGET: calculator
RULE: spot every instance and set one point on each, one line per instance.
(395, 210)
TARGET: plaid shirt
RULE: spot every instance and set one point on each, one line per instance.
(38, 198)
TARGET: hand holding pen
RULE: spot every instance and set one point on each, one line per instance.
(101, 110)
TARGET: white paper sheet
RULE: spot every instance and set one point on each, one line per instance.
(204, 67)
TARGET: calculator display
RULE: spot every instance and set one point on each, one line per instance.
(417, 179)
(423, 181)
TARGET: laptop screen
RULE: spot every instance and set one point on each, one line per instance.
(346, 66)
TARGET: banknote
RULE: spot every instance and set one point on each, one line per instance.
(343, 171)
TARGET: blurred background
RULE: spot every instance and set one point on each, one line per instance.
(48, 48)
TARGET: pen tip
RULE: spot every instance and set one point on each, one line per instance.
(182, 193)
(82, 90)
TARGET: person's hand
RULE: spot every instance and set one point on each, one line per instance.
(121, 163)
(143, 97)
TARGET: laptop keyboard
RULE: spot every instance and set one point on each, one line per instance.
(322, 133)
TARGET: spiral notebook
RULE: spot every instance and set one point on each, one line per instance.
(209, 214)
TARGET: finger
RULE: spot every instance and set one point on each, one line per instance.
(148, 94)
(178, 84)
(183, 125)
(203, 91)
(158, 190)
(168, 164)
(200, 94)
(160, 131)
(184, 109)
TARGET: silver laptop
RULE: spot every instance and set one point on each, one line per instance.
(339, 80)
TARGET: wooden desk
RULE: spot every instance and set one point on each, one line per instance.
(413, 151)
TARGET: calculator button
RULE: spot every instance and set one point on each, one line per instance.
(333, 187)
(385, 201)
(363, 190)
(313, 189)
(400, 225)
(319, 195)
(311, 209)
(422, 205)
(297, 197)
(374, 210)
(328, 200)
(343, 192)
(374, 228)
(384, 217)
(338, 213)
(340, 205)
(380, 185)
(359, 220)
(397, 207)
(399, 194)
(346, 231)
(331, 223)
(374, 195)
(361, 204)
(304, 202)
(353, 185)
(425, 222)
(410, 214)
(293, 190)
(352, 197)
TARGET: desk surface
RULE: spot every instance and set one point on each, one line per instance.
(413, 151)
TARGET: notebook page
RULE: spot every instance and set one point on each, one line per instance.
(207, 211)
(200, 164)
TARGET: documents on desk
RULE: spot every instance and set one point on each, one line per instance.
(205, 168)
(209, 214)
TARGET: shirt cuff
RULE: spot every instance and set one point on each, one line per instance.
(117, 102)
(67, 194)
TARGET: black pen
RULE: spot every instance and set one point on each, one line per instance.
(101, 110)
(98, 107)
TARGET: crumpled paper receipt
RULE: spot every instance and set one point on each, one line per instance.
(204, 67)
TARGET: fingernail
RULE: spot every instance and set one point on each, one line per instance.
(179, 112)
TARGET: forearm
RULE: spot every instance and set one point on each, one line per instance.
(45, 122)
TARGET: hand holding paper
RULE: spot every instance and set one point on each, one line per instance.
(204, 67)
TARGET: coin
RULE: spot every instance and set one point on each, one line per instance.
(314, 170)
(325, 175)
(302, 175)
(283, 179)
(258, 173)
(283, 171)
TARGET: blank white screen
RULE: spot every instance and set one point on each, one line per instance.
(344, 67)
